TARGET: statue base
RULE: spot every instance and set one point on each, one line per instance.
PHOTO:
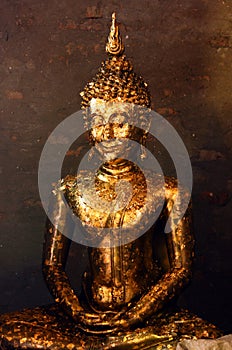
(48, 327)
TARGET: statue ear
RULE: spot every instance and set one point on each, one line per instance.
(92, 104)
(145, 123)
(144, 118)
(94, 109)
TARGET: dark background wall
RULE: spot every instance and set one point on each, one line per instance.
(49, 50)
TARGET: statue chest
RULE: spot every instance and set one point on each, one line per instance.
(118, 203)
(119, 271)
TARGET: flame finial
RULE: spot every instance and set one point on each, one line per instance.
(114, 45)
(116, 79)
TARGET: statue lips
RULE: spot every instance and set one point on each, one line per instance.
(112, 146)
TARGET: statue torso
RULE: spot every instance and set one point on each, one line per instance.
(119, 274)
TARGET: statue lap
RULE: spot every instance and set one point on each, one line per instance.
(48, 327)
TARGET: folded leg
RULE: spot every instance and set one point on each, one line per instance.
(45, 327)
(48, 327)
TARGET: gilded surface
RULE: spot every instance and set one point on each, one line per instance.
(50, 328)
(124, 303)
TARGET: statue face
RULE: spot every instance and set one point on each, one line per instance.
(110, 127)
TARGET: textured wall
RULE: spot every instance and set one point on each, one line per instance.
(49, 49)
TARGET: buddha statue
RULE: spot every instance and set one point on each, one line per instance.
(127, 294)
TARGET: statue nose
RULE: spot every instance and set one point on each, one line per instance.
(108, 131)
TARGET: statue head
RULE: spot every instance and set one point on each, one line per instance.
(109, 98)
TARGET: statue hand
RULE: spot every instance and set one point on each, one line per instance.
(123, 322)
(95, 323)
(109, 322)
(135, 315)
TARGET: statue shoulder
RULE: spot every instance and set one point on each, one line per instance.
(173, 187)
(158, 183)
(167, 186)
(69, 185)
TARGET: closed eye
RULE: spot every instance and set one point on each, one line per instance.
(119, 118)
(97, 120)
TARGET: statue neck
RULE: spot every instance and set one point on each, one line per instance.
(116, 169)
(112, 172)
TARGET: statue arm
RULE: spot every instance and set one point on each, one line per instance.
(180, 248)
(55, 252)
